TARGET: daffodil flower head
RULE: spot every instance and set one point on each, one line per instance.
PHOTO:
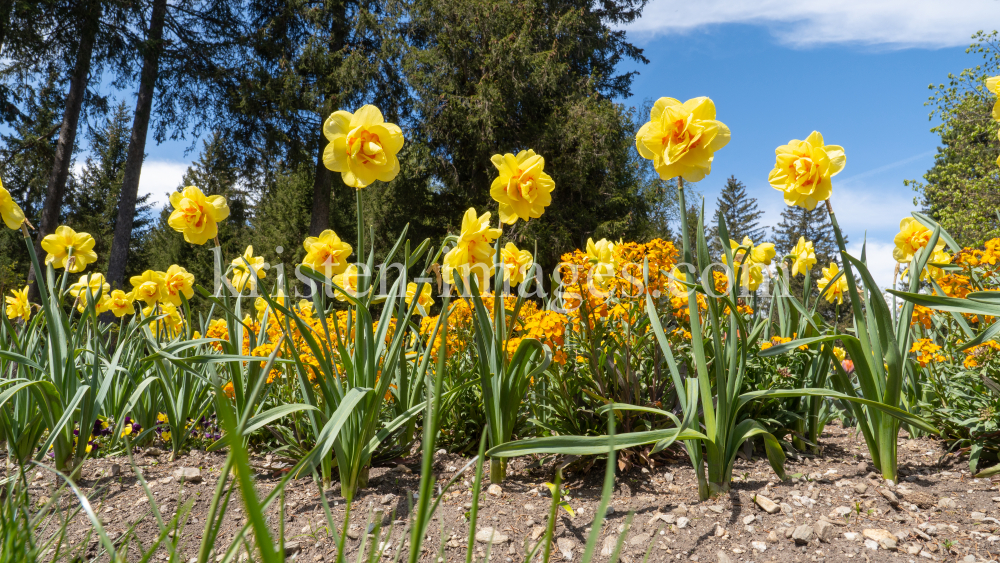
(326, 253)
(838, 289)
(121, 303)
(424, 301)
(803, 170)
(473, 254)
(803, 256)
(348, 281)
(516, 263)
(196, 215)
(912, 236)
(362, 146)
(243, 269)
(993, 85)
(177, 282)
(10, 212)
(681, 138)
(18, 305)
(69, 249)
(522, 189)
(148, 286)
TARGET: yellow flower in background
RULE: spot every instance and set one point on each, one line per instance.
(171, 323)
(522, 189)
(17, 304)
(802, 170)
(763, 253)
(10, 211)
(993, 85)
(424, 302)
(751, 276)
(474, 251)
(838, 289)
(602, 255)
(681, 138)
(260, 304)
(305, 307)
(177, 282)
(934, 272)
(515, 262)
(362, 146)
(65, 242)
(911, 237)
(326, 254)
(348, 281)
(147, 287)
(242, 276)
(121, 303)
(196, 215)
(804, 256)
(839, 353)
(94, 282)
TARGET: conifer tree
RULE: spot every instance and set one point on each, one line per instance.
(740, 213)
(92, 202)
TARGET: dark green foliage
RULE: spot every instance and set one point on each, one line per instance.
(25, 163)
(740, 213)
(961, 190)
(92, 198)
(496, 77)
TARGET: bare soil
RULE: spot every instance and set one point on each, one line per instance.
(936, 513)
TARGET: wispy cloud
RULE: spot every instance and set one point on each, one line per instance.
(159, 178)
(894, 24)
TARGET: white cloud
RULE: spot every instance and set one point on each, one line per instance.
(159, 178)
(881, 264)
(886, 23)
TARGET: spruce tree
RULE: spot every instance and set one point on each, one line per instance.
(740, 213)
(92, 202)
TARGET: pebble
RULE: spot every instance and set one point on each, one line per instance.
(947, 503)
(766, 504)
(885, 538)
(484, 535)
(388, 498)
(682, 522)
(747, 520)
(640, 539)
(759, 546)
(852, 536)
(871, 544)
(786, 508)
(860, 488)
(716, 509)
(824, 531)
(802, 534)
(772, 537)
(978, 516)
(495, 490)
(190, 475)
(723, 558)
(529, 507)
(566, 546)
(609, 545)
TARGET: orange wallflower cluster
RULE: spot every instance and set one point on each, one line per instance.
(662, 257)
(922, 316)
(955, 285)
(987, 259)
(774, 341)
(978, 355)
(927, 351)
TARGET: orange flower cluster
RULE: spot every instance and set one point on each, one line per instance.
(978, 355)
(662, 256)
(988, 258)
(927, 351)
(922, 316)
(549, 328)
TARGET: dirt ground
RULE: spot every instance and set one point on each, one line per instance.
(834, 507)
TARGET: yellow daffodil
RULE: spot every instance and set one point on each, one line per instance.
(242, 276)
(602, 255)
(911, 237)
(522, 189)
(516, 263)
(839, 353)
(196, 215)
(121, 303)
(147, 287)
(424, 301)
(10, 212)
(17, 304)
(803, 256)
(261, 304)
(838, 289)
(172, 322)
(751, 268)
(177, 282)
(305, 307)
(474, 251)
(97, 286)
(348, 281)
(362, 146)
(326, 253)
(802, 170)
(681, 138)
(66, 242)
(993, 85)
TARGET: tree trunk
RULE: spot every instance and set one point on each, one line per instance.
(137, 146)
(56, 190)
(321, 193)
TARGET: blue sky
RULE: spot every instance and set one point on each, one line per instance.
(855, 70)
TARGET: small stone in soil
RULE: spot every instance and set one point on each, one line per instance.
(190, 475)
(682, 522)
(758, 546)
(802, 534)
(495, 490)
